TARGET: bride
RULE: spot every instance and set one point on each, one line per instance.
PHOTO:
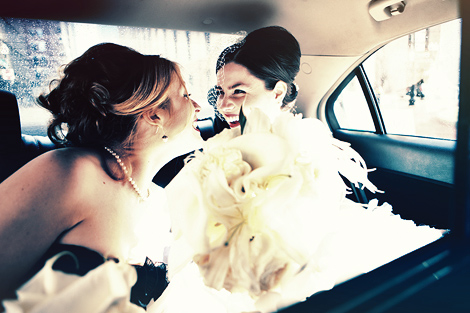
(265, 221)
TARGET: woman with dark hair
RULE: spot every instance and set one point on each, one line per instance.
(120, 116)
(258, 71)
(265, 217)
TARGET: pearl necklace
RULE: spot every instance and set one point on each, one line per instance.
(126, 173)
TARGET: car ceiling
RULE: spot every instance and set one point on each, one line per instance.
(334, 35)
(323, 27)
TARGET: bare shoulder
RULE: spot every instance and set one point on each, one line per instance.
(73, 164)
(59, 165)
(58, 177)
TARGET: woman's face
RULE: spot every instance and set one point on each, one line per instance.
(180, 111)
(236, 86)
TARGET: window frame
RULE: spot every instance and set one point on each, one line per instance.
(373, 104)
(369, 95)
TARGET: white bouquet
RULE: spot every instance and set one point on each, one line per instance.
(251, 210)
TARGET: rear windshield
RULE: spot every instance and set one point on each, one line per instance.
(32, 51)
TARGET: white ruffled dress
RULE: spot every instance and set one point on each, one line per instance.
(261, 220)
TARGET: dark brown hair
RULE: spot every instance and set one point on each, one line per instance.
(270, 54)
(103, 93)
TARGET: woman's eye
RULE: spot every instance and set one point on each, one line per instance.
(238, 93)
(165, 105)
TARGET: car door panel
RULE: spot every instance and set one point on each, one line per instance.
(416, 174)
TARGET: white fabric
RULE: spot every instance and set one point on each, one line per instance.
(363, 239)
(151, 231)
(106, 289)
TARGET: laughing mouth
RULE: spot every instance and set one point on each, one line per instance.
(233, 121)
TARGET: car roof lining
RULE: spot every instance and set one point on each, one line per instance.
(352, 30)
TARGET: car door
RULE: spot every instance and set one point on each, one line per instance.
(398, 109)
(434, 278)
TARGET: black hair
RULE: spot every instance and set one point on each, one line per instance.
(270, 54)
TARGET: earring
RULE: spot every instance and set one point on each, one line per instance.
(164, 137)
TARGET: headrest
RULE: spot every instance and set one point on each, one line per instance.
(10, 126)
(16, 149)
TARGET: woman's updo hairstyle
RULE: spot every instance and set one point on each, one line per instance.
(270, 54)
(102, 94)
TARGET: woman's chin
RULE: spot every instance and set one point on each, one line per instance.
(195, 126)
(187, 141)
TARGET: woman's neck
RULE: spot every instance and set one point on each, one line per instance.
(146, 160)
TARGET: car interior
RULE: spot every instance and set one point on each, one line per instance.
(369, 70)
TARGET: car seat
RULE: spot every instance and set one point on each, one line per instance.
(16, 149)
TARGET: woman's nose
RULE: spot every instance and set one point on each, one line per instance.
(197, 107)
(225, 105)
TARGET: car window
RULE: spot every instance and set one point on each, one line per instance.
(415, 85)
(31, 52)
(351, 109)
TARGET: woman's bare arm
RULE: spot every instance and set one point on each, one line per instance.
(37, 204)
